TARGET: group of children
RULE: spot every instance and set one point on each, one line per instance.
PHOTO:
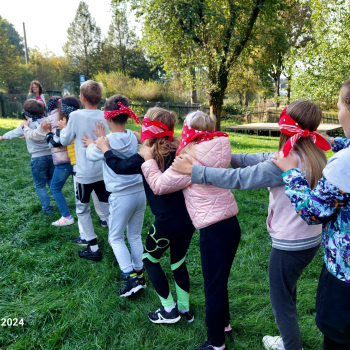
(188, 186)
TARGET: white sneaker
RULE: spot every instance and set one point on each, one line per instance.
(64, 222)
(273, 343)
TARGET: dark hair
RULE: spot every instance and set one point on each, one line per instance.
(36, 83)
(92, 91)
(70, 101)
(56, 103)
(34, 107)
(112, 105)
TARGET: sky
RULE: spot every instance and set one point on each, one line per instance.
(47, 21)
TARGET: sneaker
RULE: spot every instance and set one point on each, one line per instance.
(229, 335)
(80, 241)
(161, 316)
(189, 315)
(207, 346)
(130, 285)
(88, 254)
(64, 222)
(273, 343)
(141, 279)
(103, 222)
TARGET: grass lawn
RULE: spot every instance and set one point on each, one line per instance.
(70, 303)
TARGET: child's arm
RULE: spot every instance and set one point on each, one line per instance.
(13, 134)
(264, 174)
(314, 206)
(128, 166)
(93, 154)
(67, 134)
(239, 160)
(38, 134)
(162, 183)
(339, 143)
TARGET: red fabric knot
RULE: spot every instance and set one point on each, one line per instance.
(288, 126)
(189, 134)
(122, 110)
(156, 129)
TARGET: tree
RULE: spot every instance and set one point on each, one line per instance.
(83, 44)
(14, 38)
(215, 31)
(324, 64)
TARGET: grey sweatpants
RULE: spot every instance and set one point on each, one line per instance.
(127, 212)
(285, 268)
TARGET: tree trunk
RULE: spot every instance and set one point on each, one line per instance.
(240, 99)
(277, 80)
(193, 85)
(288, 90)
(216, 100)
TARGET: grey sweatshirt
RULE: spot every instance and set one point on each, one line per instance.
(261, 172)
(83, 122)
(35, 148)
(122, 145)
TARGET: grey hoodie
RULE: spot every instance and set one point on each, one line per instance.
(83, 122)
(122, 145)
(260, 172)
(35, 148)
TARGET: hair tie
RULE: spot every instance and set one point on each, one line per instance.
(189, 134)
(290, 127)
(122, 110)
(156, 129)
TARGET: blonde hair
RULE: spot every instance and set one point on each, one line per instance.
(163, 147)
(313, 159)
(92, 91)
(345, 94)
(200, 121)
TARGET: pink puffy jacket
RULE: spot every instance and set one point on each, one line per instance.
(206, 205)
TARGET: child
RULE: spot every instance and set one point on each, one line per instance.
(294, 243)
(328, 204)
(172, 224)
(127, 201)
(89, 175)
(61, 160)
(41, 162)
(212, 210)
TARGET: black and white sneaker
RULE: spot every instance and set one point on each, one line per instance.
(207, 346)
(141, 279)
(161, 316)
(189, 315)
(80, 241)
(88, 254)
(130, 285)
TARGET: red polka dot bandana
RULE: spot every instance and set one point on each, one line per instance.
(288, 126)
(156, 129)
(122, 110)
(189, 134)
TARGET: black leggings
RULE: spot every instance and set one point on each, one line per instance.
(218, 244)
(330, 344)
(175, 232)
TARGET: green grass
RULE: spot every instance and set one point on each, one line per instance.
(70, 303)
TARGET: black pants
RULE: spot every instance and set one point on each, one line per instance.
(174, 232)
(218, 245)
(333, 311)
(285, 268)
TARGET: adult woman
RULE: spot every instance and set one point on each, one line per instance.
(36, 92)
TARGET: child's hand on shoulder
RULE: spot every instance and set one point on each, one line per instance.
(102, 143)
(146, 152)
(100, 129)
(1, 138)
(25, 123)
(45, 126)
(182, 165)
(61, 124)
(285, 163)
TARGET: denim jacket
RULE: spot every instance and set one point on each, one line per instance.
(328, 204)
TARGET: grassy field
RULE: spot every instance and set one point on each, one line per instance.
(70, 303)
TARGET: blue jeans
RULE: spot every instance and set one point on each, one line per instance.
(42, 171)
(60, 177)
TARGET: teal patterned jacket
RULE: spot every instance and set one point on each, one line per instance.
(330, 206)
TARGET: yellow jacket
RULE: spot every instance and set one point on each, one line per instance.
(71, 153)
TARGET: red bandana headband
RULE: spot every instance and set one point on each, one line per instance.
(122, 110)
(288, 126)
(156, 129)
(189, 134)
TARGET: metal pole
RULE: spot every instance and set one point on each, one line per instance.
(25, 43)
